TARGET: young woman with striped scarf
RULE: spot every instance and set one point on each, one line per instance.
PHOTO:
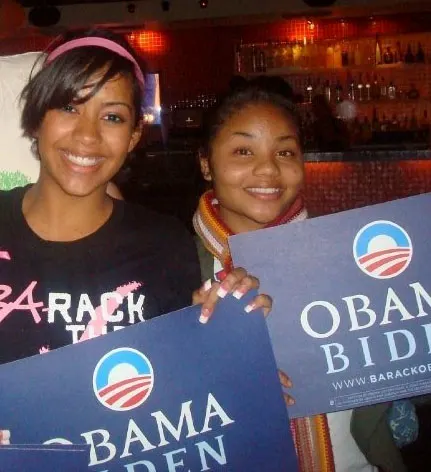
(253, 160)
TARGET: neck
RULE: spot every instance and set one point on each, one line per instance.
(55, 216)
(236, 223)
(214, 231)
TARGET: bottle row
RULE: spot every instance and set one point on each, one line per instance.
(389, 53)
(375, 130)
(205, 100)
(357, 88)
(306, 54)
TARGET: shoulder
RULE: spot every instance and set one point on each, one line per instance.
(139, 221)
(7, 197)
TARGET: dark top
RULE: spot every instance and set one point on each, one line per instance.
(138, 265)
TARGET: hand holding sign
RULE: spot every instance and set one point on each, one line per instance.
(238, 282)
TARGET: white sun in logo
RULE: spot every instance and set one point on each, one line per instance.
(122, 372)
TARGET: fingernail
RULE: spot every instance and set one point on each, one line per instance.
(221, 275)
(207, 285)
(291, 401)
(205, 315)
(238, 294)
(4, 435)
(249, 307)
(221, 292)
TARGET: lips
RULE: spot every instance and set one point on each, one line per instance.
(265, 193)
(82, 161)
(264, 190)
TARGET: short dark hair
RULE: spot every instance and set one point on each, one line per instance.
(58, 83)
(255, 91)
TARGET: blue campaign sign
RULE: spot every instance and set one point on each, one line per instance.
(352, 297)
(169, 394)
(27, 458)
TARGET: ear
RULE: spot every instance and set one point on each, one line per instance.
(136, 136)
(205, 166)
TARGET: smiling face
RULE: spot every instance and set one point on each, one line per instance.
(255, 166)
(82, 146)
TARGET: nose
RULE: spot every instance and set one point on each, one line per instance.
(87, 129)
(267, 166)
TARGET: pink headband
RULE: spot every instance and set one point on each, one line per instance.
(102, 43)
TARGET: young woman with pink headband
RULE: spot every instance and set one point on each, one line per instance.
(74, 263)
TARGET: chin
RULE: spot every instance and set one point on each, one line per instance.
(266, 218)
(81, 191)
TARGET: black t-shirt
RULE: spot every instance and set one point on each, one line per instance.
(138, 265)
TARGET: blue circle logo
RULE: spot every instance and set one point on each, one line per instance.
(382, 249)
(123, 379)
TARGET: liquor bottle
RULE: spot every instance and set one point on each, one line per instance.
(409, 58)
(420, 55)
(270, 56)
(375, 88)
(297, 54)
(344, 56)
(357, 55)
(238, 59)
(254, 59)
(338, 92)
(388, 56)
(368, 88)
(330, 57)
(352, 90)
(314, 55)
(305, 59)
(367, 132)
(395, 124)
(287, 55)
(309, 90)
(378, 51)
(383, 89)
(360, 88)
(391, 91)
(277, 56)
(424, 123)
(337, 55)
(261, 63)
(327, 91)
(318, 87)
(398, 56)
(413, 93)
(384, 124)
(368, 53)
(375, 123)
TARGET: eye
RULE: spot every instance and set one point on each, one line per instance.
(286, 153)
(243, 152)
(114, 118)
(69, 108)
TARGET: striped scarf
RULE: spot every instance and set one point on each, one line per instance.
(310, 435)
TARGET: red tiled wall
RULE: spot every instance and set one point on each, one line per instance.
(338, 186)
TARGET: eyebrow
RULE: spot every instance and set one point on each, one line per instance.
(124, 104)
(252, 136)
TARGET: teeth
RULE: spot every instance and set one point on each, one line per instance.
(83, 161)
(265, 191)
